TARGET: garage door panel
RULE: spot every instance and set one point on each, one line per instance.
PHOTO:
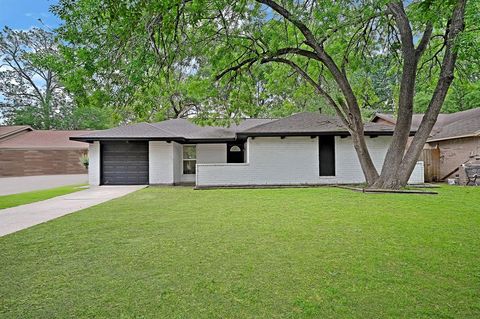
(124, 163)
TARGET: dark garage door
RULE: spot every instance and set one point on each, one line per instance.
(124, 163)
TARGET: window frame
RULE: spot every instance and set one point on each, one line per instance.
(242, 150)
(189, 159)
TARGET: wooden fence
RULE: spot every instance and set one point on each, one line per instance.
(431, 160)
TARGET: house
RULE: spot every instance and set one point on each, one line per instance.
(302, 149)
(25, 151)
(455, 140)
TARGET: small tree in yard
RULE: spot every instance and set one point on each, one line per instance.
(333, 46)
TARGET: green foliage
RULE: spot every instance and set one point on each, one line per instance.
(151, 60)
(84, 160)
(463, 93)
(30, 86)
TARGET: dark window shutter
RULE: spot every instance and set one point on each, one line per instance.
(326, 155)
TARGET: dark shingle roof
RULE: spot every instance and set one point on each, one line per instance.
(466, 126)
(183, 130)
(448, 126)
(311, 123)
(134, 131)
(175, 130)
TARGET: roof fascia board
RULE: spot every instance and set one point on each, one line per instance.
(277, 134)
(452, 137)
(94, 139)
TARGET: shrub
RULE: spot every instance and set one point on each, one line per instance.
(84, 160)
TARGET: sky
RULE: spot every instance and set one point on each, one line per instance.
(24, 14)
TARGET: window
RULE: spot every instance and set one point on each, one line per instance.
(326, 155)
(189, 159)
(235, 153)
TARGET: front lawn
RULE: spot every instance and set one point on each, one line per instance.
(263, 253)
(7, 201)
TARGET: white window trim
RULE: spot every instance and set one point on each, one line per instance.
(189, 159)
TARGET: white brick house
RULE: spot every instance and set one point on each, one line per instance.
(303, 149)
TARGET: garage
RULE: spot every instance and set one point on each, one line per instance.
(124, 163)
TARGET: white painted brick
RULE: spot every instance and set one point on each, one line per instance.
(270, 160)
(211, 153)
(177, 163)
(160, 161)
(293, 160)
(94, 163)
(206, 153)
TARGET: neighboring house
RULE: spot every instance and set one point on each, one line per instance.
(455, 138)
(302, 149)
(25, 151)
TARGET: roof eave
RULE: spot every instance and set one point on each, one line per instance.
(209, 140)
(182, 140)
(336, 133)
(384, 117)
(90, 139)
(452, 137)
(15, 132)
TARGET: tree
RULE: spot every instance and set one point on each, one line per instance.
(121, 65)
(331, 45)
(31, 88)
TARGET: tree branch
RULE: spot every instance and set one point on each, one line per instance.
(422, 45)
(312, 82)
(237, 67)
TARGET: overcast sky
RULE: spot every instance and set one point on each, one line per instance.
(24, 14)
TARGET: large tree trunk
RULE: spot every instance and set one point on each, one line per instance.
(396, 173)
(398, 164)
(353, 117)
(368, 168)
(397, 147)
(441, 89)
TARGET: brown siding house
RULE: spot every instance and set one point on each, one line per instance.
(455, 136)
(24, 151)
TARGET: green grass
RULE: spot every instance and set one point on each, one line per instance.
(7, 201)
(263, 253)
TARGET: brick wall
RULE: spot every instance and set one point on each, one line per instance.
(94, 163)
(455, 152)
(294, 160)
(14, 162)
(165, 161)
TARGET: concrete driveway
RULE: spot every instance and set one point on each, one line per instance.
(17, 218)
(14, 185)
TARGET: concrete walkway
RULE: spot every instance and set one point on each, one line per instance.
(14, 185)
(17, 218)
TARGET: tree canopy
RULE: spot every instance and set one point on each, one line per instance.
(134, 48)
(261, 57)
(219, 60)
(31, 87)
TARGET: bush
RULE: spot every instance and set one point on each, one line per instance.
(84, 160)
